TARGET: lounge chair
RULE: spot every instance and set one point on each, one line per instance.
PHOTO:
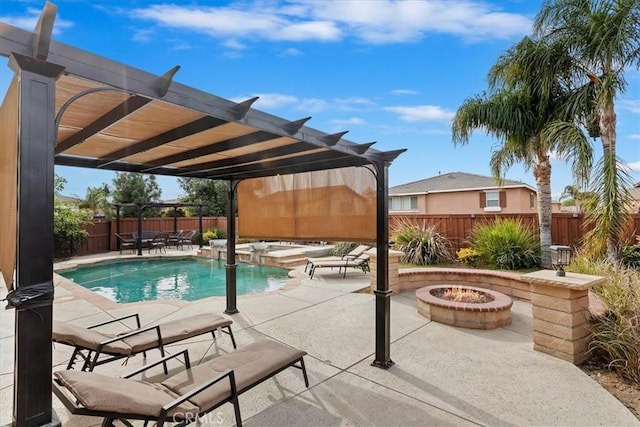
(184, 397)
(126, 243)
(362, 263)
(353, 254)
(186, 238)
(97, 348)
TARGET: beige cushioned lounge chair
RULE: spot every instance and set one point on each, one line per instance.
(184, 396)
(353, 254)
(361, 262)
(97, 348)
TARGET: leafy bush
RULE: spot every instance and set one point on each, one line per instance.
(507, 244)
(616, 335)
(343, 248)
(421, 244)
(468, 256)
(631, 256)
(68, 228)
(216, 233)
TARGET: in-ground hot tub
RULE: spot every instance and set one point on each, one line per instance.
(494, 313)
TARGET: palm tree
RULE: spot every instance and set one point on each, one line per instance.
(529, 109)
(96, 200)
(572, 192)
(603, 36)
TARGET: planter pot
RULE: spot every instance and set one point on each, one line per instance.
(217, 242)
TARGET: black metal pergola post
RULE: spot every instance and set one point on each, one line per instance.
(231, 265)
(33, 326)
(382, 291)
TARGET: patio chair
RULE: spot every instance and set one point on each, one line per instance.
(159, 242)
(174, 239)
(186, 238)
(353, 254)
(97, 348)
(182, 398)
(126, 243)
(362, 263)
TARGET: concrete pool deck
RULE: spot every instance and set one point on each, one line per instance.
(442, 375)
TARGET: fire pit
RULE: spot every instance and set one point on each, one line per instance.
(464, 306)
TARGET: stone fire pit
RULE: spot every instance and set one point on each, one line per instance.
(494, 313)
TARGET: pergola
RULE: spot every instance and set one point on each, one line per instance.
(69, 107)
(141, 206)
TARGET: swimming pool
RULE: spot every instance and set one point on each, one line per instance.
(185, 278)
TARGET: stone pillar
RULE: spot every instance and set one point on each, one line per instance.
(394, 264)
(560, 313)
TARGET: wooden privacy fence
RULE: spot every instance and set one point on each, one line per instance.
(566, 228)
(102, 237)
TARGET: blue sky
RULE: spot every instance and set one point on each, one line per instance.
(387, 71)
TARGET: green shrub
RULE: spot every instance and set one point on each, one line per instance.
(468, 256)
(68, 228)
(616, 335)
(209, 235)
(343, 248)
(421, 244)
(631, 256)
(506, 244)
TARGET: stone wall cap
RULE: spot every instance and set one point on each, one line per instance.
(575, 281)
(392, 252)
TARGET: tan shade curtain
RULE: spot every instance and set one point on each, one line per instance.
(335, 205)
(9, 182)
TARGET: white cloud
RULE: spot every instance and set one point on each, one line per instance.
(274, 100)
(404, 92)
(234, 44)
(142, 35)
(312, 105)
(381, 21)
(354, 103)
(421, 113)
(634, 166)
(353, 121)
(634, 136)
(630, 105)
(30, 20)
(291, 52)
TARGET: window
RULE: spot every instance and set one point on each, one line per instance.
(532, 201)
(493, 201)
(404, 203)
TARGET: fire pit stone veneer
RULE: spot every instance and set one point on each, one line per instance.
(486, 315)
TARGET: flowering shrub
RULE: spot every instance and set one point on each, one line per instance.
(468, 256)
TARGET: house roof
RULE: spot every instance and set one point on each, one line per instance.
(454, 181)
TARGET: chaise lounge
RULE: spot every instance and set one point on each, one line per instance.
(97, 348)
(184, 397)
(361, 262)
(353, 254)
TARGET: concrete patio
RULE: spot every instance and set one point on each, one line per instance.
(442, 375)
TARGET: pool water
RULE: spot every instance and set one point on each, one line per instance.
(185, 278)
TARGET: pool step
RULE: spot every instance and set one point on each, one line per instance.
(292, 262)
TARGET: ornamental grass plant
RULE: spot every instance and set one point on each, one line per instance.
(616, 334)
(422, 244)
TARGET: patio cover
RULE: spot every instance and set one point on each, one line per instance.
(75, 108)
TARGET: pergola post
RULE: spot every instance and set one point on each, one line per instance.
(200, 224)
(118, 242)
(139, 239)
(382, 291)
(231, 265)
(34, 263)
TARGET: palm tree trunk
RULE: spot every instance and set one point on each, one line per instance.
(542, 174)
